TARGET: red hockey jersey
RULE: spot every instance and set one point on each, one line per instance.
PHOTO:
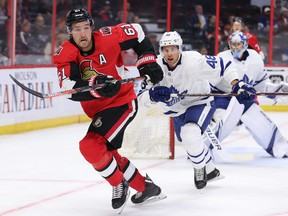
(105, 59)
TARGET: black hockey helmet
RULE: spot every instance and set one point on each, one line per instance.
(77, 15)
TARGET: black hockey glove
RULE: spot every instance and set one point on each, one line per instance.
(110, 88)
(245, 92)
(148, 67)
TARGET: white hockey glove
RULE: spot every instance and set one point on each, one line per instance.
(282, 99)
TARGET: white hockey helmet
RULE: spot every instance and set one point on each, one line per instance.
(170, 38)
(238, 37)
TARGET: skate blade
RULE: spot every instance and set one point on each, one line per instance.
(200, 190)
(217, 178)
(119, 210)
(153, 199)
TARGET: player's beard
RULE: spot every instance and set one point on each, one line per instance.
(85, 44)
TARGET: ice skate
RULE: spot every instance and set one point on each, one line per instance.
(152, 193)
(214, 175)
(280, 150)
(120, 195)
(200, 178)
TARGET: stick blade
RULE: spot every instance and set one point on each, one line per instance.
(243, 157)
(31, 91)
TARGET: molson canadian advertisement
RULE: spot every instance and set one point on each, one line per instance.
(21, 111)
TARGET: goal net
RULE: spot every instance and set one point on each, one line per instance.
(149, 135)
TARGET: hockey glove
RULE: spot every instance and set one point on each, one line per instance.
(245, 93)
(160, 94)
(110, 87)
(282, 99)
(148, 67)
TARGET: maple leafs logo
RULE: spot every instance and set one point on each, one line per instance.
(175, 99)
(87, 70)
(246, 80)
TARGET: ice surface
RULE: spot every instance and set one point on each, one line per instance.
(43, 173)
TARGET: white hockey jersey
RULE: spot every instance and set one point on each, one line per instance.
(191, 76)
(251, 71)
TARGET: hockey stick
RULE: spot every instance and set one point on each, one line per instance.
(228, 94)
(225, 156)
(70, 91)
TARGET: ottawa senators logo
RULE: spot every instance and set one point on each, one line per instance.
(106, 31)
(87, 71)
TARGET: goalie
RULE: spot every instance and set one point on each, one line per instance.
(250, 67)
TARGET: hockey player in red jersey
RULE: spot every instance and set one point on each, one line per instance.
(90, 58)
(238, 25)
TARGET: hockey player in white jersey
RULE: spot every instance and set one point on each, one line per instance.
(250, 67)
(183, 74)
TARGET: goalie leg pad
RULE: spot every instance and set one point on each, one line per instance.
(226, 120)
(265, 132)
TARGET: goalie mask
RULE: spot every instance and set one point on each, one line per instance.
(77, 15)
(170, 39)
(238, 44)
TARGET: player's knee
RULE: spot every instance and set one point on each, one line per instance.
(192, 138)
(189, 131)
(94, 150)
